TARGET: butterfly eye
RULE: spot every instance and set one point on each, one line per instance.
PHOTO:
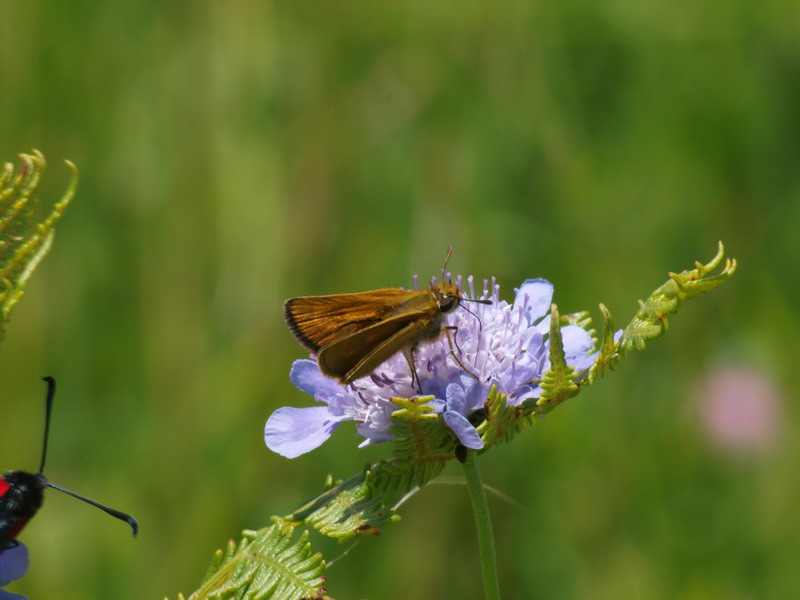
(447, 303)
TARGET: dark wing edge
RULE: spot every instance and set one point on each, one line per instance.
(295, 328)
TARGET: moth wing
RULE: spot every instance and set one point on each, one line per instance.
(317, 321)
(359, 354)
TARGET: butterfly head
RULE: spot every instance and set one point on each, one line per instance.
(447, 295)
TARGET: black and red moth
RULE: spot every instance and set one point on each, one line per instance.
(21, 493)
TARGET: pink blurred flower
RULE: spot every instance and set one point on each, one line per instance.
(740, 410)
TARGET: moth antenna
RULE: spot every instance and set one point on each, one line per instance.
(51, 392)
(48, 410)
(114, 513)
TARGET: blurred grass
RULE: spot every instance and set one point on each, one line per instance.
(234, 154)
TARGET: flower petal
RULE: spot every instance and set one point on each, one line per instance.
(373, 436)
(306, 376)
(477, 394)
(439, 406)
(582, 362)
(433, 387)
(294, 431)
(535, 295)
(576, 340)
(13, 563)
(523, 393)
(456, 399)
(464, 430)
(578, 346)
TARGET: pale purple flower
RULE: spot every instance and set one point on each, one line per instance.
(13, 565)
(505, 345)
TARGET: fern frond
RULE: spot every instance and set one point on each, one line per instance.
(651, 322)
(502, 421)
(606, 357)
(347, 508)
(419, 433)
(268, 564)
(24, 243)
(394, 476)
(559, 383)
(422, 446)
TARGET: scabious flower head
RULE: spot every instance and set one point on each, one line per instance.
(13, 565)
(498, 344)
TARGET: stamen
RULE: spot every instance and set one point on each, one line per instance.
(523, 310)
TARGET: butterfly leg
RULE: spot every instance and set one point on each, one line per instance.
(454, 344)
(409, 354)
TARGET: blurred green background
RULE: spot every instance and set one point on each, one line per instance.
(236, 153)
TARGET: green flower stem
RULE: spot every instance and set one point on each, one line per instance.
(483, 522)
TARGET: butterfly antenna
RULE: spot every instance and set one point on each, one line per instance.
(446, 260)
(114, 513)
(478, 301)
(48, 410)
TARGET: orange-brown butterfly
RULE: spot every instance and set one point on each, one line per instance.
(352, 334)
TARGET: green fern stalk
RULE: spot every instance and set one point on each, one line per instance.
(23, 242)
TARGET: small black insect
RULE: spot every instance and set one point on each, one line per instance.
(21, 493)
